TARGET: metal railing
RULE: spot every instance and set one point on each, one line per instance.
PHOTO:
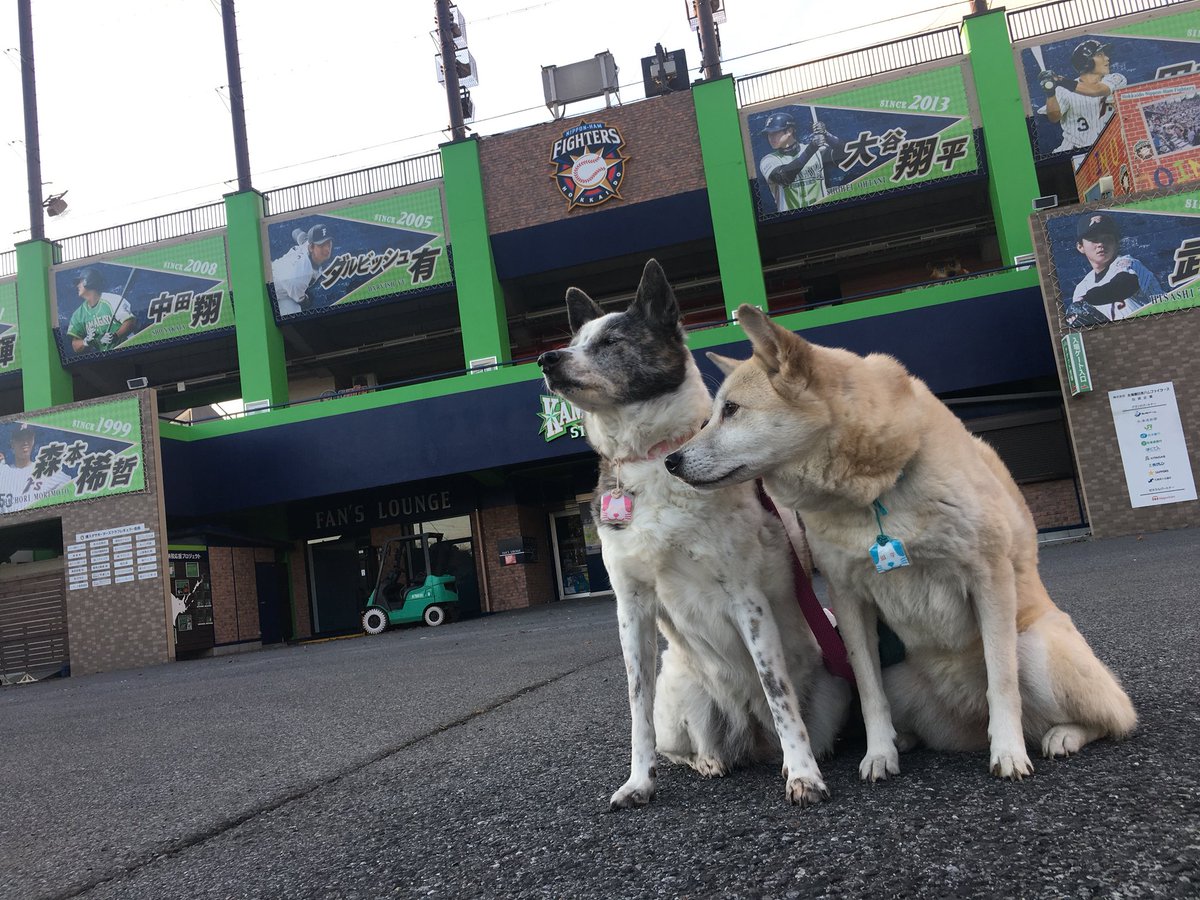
(144, 231)
(396, 174)
(1033, 21)
(863, 63)
(8, 263)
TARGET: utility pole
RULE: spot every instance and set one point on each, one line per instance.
(237, 105)
(458, 129)
(33, 148)
(710, 61)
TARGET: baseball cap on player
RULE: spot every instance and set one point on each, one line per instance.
(23, 429)
(779, 122)
(90, 279)
(1092, 225)
(319, 234)
(1082, 59)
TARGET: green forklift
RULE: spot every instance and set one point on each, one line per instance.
(413, 584)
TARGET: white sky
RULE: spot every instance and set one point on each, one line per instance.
(133, 103)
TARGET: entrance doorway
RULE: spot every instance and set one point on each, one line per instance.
(577, 562)
(341, 577)
(33, 603)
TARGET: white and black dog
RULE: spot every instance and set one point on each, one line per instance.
(742, 673)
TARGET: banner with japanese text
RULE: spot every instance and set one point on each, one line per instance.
(1130, 261)
(84, 452)
(160, 294)
(356, 253)
(892, 134)
(10, 348)
(1069, 82)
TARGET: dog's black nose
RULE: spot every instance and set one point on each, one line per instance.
(549, 358)
(672, 462)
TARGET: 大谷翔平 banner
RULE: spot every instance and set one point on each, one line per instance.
(83, 452)
(1070, 81)
(357, 253)
(166, 292)
(1125, 262)
(893, 134)
(10, 349)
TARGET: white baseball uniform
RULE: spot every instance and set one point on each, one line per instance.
(1149, 289)
(1083, 117)
(292, 273)
(19, 489)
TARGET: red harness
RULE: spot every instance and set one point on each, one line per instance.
(833, 651)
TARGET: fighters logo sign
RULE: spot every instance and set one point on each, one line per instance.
(588, 164)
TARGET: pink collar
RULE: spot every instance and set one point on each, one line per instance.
(662, 448)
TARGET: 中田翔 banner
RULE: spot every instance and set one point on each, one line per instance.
(81, 453)
(10, 349)
(1070, 81)
(162, 293)
(358, 253)
(1139, 259)
(888, 135)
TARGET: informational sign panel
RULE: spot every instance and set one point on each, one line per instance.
(888, 135)
(357, 253)
(10, 345)
(164, 293)
(1154, 452)
(1128, 261)
(1070, 81)
(1079, 376)
(82, 453)
(113, 556)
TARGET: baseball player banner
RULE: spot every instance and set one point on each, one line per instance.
(358, 253)
(895, 134)
(1070, 81)
(1126, 262)
(167, 292)
(83, 452)
(10, 348)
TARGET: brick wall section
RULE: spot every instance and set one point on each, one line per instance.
(661, 144)
(235, 592)
(300, 600)
(1125, 355)
(1053, 503)
(118, 626)
(519, 586)
(224, 597)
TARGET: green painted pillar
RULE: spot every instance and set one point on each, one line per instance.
(44, 381)
(261, 358)
(480, 296)
(735, 228)
(1012, 178)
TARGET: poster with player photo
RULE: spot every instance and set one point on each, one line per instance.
(1122, 263)
(1069, 82)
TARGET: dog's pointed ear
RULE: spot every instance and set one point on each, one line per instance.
(780, 351)
(724, 363)
(655, 301)
(581, 309)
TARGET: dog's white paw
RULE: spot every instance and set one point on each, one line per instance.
(1013, 764)
(708, 766)
(877, 766)
(633, 793)
(806, 791)
(1063, 740)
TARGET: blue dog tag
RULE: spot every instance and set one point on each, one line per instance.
(888, 553)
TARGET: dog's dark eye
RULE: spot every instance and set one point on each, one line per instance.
(606, 340)
(729, 409)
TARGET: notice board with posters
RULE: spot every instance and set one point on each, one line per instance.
(149, 296)
(814, 149)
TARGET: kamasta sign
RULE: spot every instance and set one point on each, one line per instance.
(165, 293)
(79, 453)
(358, 253)
(559, 417)
(589, 167)
(10, 355)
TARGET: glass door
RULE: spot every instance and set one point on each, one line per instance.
(577, 562)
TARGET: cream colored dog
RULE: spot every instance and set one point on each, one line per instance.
(877, 466)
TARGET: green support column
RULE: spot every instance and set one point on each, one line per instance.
(480, 297)
(261, 358)
(1012, 178)
(735, 228)
(44, 381)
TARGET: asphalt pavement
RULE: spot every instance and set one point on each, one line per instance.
(476, 760)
